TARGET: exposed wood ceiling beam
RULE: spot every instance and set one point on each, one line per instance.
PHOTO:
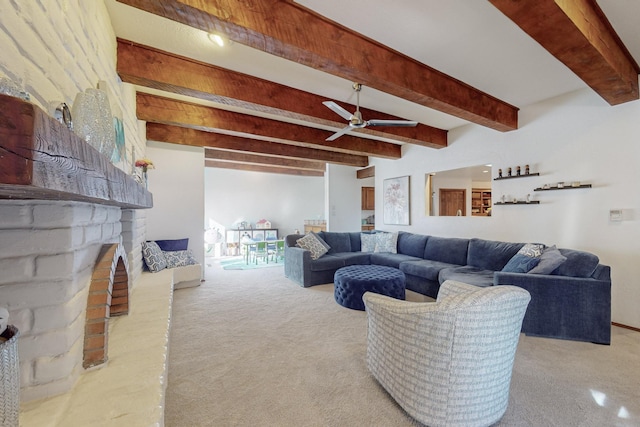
(288, 30)
(258, 168)
(158, 109)
(148, 67)
(366, 172)
(198, 138)
(256, 159)
(578, 34)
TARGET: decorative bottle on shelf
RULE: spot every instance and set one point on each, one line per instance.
(499, 173)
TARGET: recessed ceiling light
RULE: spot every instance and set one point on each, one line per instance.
(217, 39)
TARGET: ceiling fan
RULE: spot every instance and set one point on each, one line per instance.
(355, 120)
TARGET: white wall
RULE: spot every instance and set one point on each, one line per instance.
(575, 137)
(344, 199)
(177, 185)
(285, 200)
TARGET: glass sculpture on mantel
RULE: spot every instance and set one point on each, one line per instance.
(11, 88)
(93, 122)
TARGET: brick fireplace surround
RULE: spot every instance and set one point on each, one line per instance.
(71, 229)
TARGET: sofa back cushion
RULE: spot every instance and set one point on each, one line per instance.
(491, 254)
(411, 244)
(355, 241)
(339, 242)
(578, 264)
(446, 249)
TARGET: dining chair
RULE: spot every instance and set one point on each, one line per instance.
(277, 251)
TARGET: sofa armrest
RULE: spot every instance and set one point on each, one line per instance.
(297, 264)
(564, 307)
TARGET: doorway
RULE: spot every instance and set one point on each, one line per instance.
(453, 202)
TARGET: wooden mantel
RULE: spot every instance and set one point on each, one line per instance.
(42, 159)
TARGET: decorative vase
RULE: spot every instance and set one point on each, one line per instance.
(93, 121)
(144, 178)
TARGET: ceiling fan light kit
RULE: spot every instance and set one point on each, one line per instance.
(355, 120)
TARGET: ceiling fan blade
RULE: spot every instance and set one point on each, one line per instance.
(338, 110)
(339, 133)
(397, 123)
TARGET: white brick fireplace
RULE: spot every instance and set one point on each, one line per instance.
(48, 252)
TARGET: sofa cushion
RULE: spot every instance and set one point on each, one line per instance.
(411, 244)
(391, 260)
(355, 241)
(327, 262)
(426, 269)
(387, 242)
(173, 245)
(314, 244)
(467, 274)
(578, 264)
(491, 254)
(354, 258)
(153, 257)
(445, 249)
(520, 263)
(368, 242)
(533, 250)
(550, 259)
(339, 242)
(179, 258)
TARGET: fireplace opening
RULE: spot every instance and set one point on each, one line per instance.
(108, 296)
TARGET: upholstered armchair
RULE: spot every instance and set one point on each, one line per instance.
(448, 362)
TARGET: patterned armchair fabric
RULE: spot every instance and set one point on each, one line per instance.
(447, 363)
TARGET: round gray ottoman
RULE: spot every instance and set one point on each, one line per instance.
(353, 281)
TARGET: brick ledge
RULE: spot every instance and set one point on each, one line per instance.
(130, 388)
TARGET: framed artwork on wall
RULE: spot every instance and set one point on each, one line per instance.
(396, 201)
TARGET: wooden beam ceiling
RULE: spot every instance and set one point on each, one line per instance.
(158, 109)
(186, 136)
(366, 172)
(578, 34)
(260, 168)
(287, 30)
(257, 159)
(149, 67)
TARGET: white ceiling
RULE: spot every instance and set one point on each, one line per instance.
(467, 39)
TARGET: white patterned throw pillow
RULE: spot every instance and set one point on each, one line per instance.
(368, 242)
(179, 258)
(153, 256)
(533, 250)
(387, 242)
(314, 244)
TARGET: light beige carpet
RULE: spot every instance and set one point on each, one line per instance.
(251, 348)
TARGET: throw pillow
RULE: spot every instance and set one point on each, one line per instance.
(179, 258)
(387, 242)
(173, 245)
(368, 242)
(314, 244)
(550, 259)
(520, 263)
(153, 257)
(533, 250)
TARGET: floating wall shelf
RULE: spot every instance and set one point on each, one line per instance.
(533, 202)
(517, 176)
(566, 187)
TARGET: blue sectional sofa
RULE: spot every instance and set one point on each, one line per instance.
(572, 302)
